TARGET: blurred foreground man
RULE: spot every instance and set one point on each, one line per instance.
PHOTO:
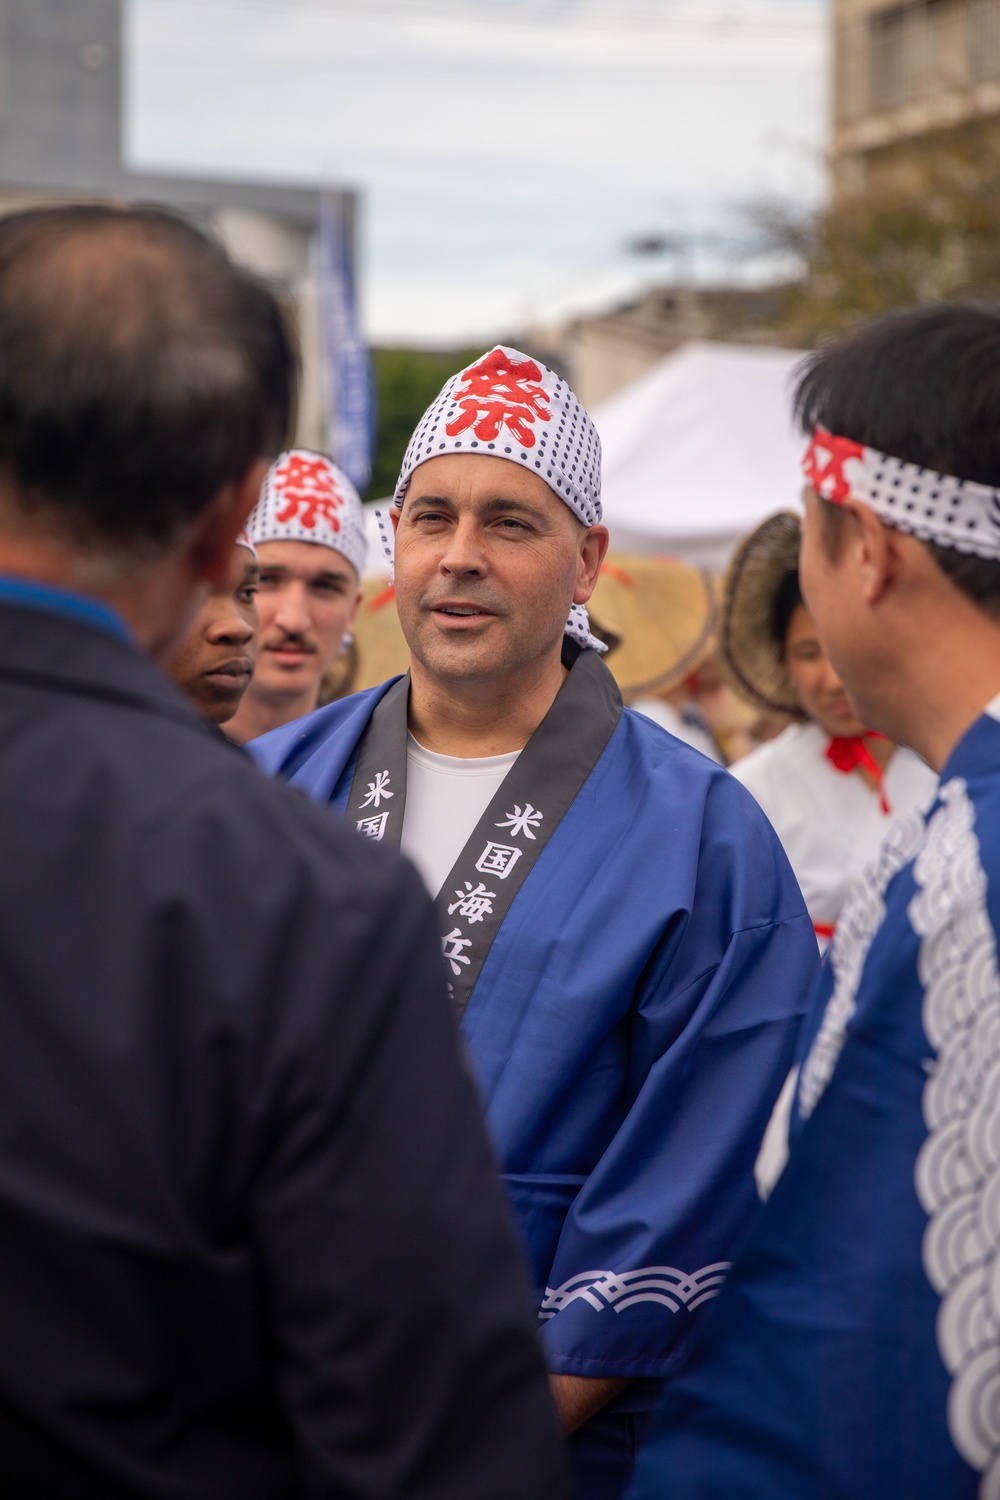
(627, 948)
(214, 662)
(309, 531)
(252, 1242)
(856, 1349)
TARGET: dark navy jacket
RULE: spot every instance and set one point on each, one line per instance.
(251, 1241)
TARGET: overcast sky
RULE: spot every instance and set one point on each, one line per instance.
(506, 150)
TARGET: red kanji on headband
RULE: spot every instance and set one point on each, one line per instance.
(308, 491)
(501, 392)
(824, 463)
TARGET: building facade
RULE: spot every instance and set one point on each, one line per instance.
(906, 71)
(606, 351)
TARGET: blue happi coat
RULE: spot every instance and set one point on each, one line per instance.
(856, 1350)
(632, 1025)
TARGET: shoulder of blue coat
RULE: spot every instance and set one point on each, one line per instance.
(664, 753)
(285, 750)
(686, 787)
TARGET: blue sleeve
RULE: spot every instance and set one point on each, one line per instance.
(651, 1234)
(314, 752)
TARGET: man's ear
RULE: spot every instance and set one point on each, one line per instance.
(593, 549)
(877, 552)
(210, 546)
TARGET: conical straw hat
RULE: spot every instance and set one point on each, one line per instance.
(751, 655)
(661, 616)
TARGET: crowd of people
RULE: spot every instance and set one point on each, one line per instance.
(472, 1089)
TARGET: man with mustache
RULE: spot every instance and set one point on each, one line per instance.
(627, 948)
(214, 662)
(309, 532)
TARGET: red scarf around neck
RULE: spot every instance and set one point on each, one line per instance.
(846, 752)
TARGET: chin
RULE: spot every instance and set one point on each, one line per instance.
(220, 713)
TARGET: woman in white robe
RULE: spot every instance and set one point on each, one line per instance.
(829, 786)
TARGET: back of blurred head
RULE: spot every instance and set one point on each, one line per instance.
(145, 381)
(900, 562)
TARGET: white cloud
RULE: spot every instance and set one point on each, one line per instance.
(505, 148)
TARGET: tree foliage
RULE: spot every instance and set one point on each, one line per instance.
(924, 226)
(407, 381)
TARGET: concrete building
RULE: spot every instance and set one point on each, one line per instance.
(61, 84)
(604, 352)
(905, 70)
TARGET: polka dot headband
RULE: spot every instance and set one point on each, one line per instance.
(956, 513)
(306, 498)
(507, 405)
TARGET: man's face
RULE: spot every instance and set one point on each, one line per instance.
(214, 662)
(307, 601)
(488, 562)
(818, 688)
(833, 588)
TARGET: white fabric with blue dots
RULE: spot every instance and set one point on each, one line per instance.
(956, 513)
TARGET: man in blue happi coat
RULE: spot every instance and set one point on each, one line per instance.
(855, 1352)
(626, 945)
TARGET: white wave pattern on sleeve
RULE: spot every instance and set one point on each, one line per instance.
(856, 927)
(958, 1168)
(663, 1284)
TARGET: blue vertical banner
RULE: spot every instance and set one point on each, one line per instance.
(347, 366)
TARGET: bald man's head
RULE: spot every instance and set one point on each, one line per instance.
(140, 370)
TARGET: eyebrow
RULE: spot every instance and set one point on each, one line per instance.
(324, 576)
(492, 506)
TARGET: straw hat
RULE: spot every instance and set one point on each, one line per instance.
(751, 656)
(660, 617)
(378, 650)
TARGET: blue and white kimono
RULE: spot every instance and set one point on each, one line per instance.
(630, 1029)
(855, 1351)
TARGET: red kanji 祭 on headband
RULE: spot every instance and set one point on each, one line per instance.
(508, 405)
(501, 392)
(306, 498)
(956, 513)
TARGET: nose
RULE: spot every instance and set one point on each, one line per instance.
(232, 630)
(463, 555)
(291, 613)
(831, 682)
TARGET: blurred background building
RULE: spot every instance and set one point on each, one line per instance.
(904, 72)
(61, 91)
(606, 351)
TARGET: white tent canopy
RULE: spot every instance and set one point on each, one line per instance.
(701, 449)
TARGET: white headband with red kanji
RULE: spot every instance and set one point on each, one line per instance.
(306, 498)
(956, 513)
(507, 405)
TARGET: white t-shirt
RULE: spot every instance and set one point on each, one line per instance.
(445, 798)
(830, 823)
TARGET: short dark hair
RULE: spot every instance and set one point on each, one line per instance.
(923, 386)
(787, 598)
(140, 369)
